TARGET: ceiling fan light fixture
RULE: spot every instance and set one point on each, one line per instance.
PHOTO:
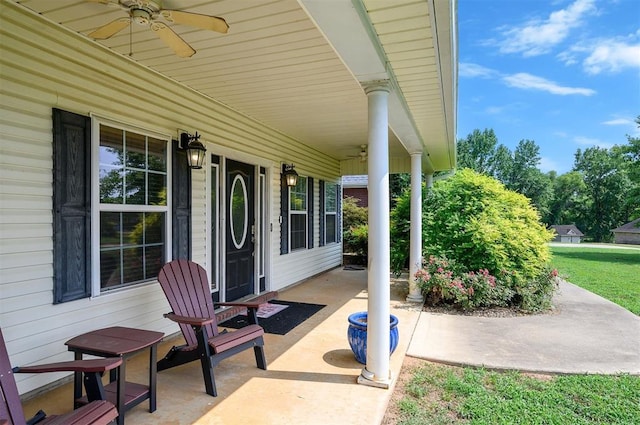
(141, 16)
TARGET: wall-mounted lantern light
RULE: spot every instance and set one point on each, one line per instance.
(290, 175)
(195, 149)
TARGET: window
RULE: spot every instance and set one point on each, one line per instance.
(298, 214)
(132, 208)
(330, 212)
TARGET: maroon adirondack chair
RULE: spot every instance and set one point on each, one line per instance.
(186, 286)
(97, 412)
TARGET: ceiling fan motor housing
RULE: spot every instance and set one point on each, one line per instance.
(141, 16)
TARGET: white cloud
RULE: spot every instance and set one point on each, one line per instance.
(472, 70)
(494, 110)
(612, 56)
(537, 37)
(619, 121)
(526, 81)
(589, 141)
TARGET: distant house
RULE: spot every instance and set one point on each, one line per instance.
(356, 187)
(567, 233)
(628, 233)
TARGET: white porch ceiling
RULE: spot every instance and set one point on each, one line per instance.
(297, 66)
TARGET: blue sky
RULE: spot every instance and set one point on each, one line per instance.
(564, 73)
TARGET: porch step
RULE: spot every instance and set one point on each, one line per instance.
(230, 312)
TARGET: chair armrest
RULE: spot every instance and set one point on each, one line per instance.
(194, 321)
(85, 366)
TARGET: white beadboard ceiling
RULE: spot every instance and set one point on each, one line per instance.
(297, 66)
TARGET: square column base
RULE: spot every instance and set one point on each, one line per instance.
(367, 378)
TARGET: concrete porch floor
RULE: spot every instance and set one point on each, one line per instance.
(311, 376)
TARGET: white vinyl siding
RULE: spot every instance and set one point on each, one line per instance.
(44, 66)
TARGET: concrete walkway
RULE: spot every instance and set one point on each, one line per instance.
(585, 334)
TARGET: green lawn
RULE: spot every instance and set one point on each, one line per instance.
(440, 394)
(611, 273)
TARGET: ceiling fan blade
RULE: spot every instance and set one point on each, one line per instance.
(173, 40)
(110, 29)
(205, 22)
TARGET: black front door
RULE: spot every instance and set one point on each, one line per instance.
(240, 229)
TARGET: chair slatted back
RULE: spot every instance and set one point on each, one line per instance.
(10, 407)
(186, 287)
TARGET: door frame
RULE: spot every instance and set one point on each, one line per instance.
(265, 245)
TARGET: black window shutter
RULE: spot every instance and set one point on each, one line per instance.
(338, 213)
(284, 216)
(71, 206)
(322, 214)
(310, 212)
(181, 200)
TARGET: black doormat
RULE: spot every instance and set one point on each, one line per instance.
(281, 322)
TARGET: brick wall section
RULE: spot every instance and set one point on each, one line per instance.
(360, 193)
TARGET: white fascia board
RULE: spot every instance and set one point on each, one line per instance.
(340, 23)
(354, 40)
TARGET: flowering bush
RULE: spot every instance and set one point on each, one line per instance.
(443, 282)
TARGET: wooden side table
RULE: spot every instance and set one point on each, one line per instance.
(122, 342)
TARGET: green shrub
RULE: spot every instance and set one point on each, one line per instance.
(491, 239)
(400, 225)
(476, 221)
(356, 240)
(352, 214)
(355, 232)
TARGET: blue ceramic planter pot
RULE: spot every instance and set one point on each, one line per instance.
(357, 335)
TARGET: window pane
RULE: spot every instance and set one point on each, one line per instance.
(111, 150)
(109, 230)
(132, 268)
(330, 228)
(153, 260)
(298, 231)
(157, 189)
(111, 185)
(330, 197)
(298, 195)
(132, 229)
(135, 185)
(136, 152)
(157, 154)
(110, 268)
(154, 228)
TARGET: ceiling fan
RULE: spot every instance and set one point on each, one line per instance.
(148, 13)
(362, 155)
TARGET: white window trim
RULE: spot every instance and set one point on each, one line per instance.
(97, 208)
(327, 213)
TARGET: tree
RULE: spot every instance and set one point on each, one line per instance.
(605, 177)
(567, 200)
(631, 156)
(477, 151)
(523, 175)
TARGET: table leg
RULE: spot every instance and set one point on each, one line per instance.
(77, 382)
(121, 392)
(153, 368)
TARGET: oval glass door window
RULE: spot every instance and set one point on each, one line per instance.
(238, 212)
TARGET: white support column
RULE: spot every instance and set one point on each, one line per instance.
(415, 245)
(377, 371)
(429, 181)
